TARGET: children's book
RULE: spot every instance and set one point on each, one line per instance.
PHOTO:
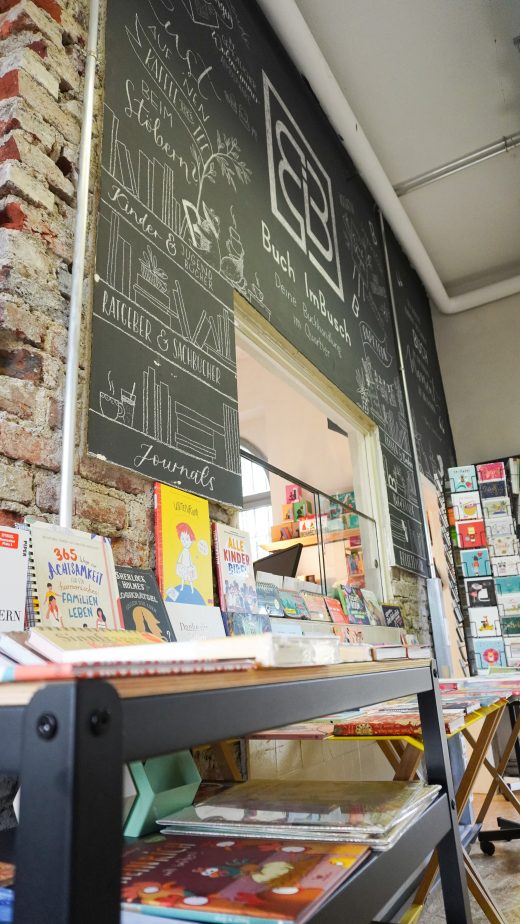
(14, 563)
(353, 604)
(316, 606)
(242, 880)
(293, 604)
(234, 565)
(141, 603)
(393, 615)
(491, 471)
(191, 622)
(336, 611)
(75, 578)
(489, 652)
(373, 607)
(246, 623)
(268, 599)
(480, 592)
(183, 546)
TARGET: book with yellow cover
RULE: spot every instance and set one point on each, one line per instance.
(183, 544)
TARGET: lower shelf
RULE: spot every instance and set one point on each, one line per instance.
(372, 886)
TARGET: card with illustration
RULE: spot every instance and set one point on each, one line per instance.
(183, 546)
(500, 546)
(473, 562)
(493, 489)
(470, 534)
(510, 625)
(491, 471)
(466, 505)
(507, 566)
(489, 652)
(480, 592)
(462, 478)
(495, 507)
(483, 621)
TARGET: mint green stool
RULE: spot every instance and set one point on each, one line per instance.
(164, 785)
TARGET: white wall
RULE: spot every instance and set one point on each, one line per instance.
(479, 354)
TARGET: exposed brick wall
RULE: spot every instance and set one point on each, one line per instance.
(410, 593)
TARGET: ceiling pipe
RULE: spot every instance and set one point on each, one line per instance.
(294, 33)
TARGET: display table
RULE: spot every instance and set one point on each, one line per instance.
(68, 741)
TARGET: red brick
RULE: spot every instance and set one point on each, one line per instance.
(100, 508)
(49, 6)
(10, 519)
(12, 216)
(104, 473)
(9, 84)
(18, 441)
(18, 398)
(9, 150)
(130, 553)
(21, 364)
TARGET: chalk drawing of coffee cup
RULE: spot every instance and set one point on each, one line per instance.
(111, 407)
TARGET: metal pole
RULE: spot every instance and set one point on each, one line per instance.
(78, 266)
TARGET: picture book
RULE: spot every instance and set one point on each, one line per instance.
(507, 566)
(353, 604)
(466, 505)
(293, 604)
(183, 546)
(483, 621)
(496, 507)
(373, 607)
(343, 808)
(14, 563)
(141, 603)
(510, 625)
(316, 606)
(500, 546)
(493, 489)
(470, 534)
(491, 471)
(393, 615)
(75, 578)
(210, 879)
(191, 622)
(474, 562)
(268, 599)
(234, 565)
(246, 623)
(480, 592)
(336, 611)
(489, 652)
(462, 478)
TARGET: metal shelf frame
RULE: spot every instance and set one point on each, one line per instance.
(69, 743)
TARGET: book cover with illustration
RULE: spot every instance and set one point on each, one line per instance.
(234, 566)
(75, 578)
(373, 607)
(393, 615)
(218, 880)
(246, 623)
(316, 606)
(353, 604)
(141, 603)
(14, 563)
(183, 546)
(268, 599)
(293, 604)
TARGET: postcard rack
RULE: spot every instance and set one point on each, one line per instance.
(67, 743)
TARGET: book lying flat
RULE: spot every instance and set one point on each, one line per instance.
(336, 809)
(397, 723)
(102, 646)
(14, 645)
(33, 673)
(312, 731)
(245, 880)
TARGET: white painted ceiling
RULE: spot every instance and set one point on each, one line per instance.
(431, 81)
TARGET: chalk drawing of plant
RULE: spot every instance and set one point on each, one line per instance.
(227, 157)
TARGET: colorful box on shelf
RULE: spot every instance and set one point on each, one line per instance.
(471, 534)
(462, 478)
(483, 621)
(281, 531)
(465, 506)
(288, 511)
(493, 489)
(489, 652)
(473, 562)
(500, 546)
(302, 508)
(480, 591)
(294, 492)
(308, 526)
(491, 471)
(506, 566)
(496, 507)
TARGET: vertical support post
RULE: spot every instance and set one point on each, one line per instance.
(78, 268)
(68, 841)
(449, 850)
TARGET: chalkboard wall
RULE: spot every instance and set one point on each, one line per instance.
(220, 172)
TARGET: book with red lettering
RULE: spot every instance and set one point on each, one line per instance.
(238, 879)
(388, 723)
(234, 565)
(14, 562)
